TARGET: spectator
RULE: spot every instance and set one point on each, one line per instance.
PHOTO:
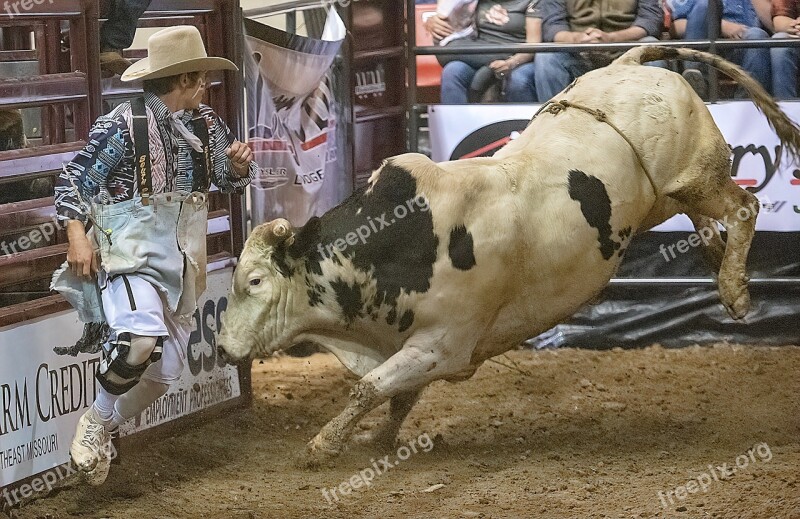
(12, 134)
(786, 19)
(117, 34)
(590, 21)
(497, 22)
(740, 21)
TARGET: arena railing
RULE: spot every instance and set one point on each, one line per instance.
(70, 102)
(713, 44)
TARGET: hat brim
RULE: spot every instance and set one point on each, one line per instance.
(141, 69)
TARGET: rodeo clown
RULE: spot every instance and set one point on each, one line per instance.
(140, 187)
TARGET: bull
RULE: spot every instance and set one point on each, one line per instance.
(434, 268)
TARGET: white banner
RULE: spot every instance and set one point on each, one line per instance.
(459, 132)
(291, 120)
(43, 394)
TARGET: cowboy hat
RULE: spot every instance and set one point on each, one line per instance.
(172, 51)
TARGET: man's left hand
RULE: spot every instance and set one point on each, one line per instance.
(503, 66)
(594, 35)
(240, 156)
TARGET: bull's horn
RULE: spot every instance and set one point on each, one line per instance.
(272, 233)
(281, 228)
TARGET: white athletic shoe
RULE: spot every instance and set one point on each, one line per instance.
(91, 449)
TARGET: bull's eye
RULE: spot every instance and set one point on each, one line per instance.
(255, 282)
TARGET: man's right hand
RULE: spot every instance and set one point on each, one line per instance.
(437, 25)
(733, 31)
(81, 256)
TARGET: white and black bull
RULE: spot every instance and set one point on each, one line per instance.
(485, 253)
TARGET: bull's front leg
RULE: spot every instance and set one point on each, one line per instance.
(399, 407)
(407, 371)
(330, 441)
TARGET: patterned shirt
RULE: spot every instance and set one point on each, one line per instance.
(104, 170)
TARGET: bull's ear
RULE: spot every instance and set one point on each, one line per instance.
(306, 238)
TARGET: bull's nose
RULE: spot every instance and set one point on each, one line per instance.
(223, 354)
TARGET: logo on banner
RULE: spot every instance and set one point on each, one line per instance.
(485, 141)
(770, 165)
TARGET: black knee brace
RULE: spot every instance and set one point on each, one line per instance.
(115, 374)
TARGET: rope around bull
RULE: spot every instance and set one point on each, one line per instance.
(556, 107)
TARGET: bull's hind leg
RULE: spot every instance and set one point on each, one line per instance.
(736, 209)
(713, 246)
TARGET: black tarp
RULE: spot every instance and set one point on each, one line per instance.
(677, 314)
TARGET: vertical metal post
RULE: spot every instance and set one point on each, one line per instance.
(714, 21)
(291, 22)
(346, 105)
(48, 43)
(232, 19)
(412, 117)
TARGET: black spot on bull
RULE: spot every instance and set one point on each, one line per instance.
(315, 294)
(406, 321)
(591, 193)
(461, 249)
(349, 298)
(388, 232)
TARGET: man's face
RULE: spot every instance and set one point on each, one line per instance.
(193, 91)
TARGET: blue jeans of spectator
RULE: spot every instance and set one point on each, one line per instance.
(123, 15)
(784, 69)
(457, 77)
(755, 61)
(556, 70)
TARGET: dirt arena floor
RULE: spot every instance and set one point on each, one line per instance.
(558, 434)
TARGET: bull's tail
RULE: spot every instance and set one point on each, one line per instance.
(788, 132)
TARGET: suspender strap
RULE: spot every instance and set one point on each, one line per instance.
(201, 161)
(141, 134)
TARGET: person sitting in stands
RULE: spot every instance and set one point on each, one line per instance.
(590, 21)
(740, 21)
(497, 22)
(12, 134)
(784, 60)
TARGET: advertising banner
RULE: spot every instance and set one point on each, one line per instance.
(459, 132)
(43, 394)
(291, 121)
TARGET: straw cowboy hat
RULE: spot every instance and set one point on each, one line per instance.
(173, 51)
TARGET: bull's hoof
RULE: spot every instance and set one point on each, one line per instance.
(317, 454)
